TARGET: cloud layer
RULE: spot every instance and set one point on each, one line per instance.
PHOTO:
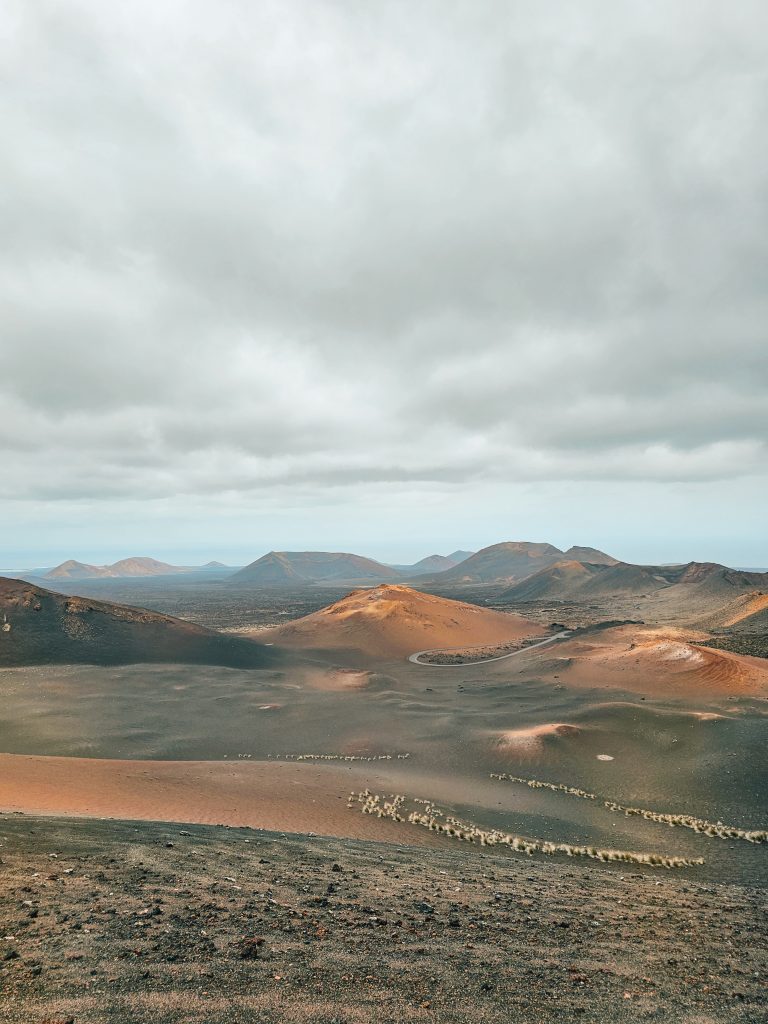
(277, 248)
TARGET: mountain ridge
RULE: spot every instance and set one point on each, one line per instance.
(507, 562)
(686, 583)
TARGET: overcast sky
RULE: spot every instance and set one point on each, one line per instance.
(391, 277)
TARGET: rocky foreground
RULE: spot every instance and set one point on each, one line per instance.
(104, 921)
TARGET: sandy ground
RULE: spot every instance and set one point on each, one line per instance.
(279, 796)
(659, 661)
(309, 797)
(111, 923)
(200, 743)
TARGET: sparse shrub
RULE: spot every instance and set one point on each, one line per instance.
(708, 828)
(334, 757)
(373, 803)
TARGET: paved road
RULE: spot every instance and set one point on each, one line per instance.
(447, 650)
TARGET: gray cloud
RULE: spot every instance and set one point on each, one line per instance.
(263, 248)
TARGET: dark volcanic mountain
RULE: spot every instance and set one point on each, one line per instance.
(430, 564)
(501, 562)
(590, 555)
(433, 564)
(507, 563)
(460, 556)
(38, 627)
(572, 580)
(287, 567)
(713, 579)
(704, 587)
(696, 585)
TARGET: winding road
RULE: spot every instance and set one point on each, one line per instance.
(466, 664)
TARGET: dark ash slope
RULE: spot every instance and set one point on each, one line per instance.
(38, 627)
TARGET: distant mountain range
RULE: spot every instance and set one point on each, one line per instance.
(513, 560)
(530, 570)
(499, 563)
(296, 567)
(138, 566)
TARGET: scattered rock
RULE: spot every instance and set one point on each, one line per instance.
(251, 947)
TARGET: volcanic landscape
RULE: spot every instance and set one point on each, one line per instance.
(286, 785)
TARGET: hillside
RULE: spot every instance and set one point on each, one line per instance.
(575, 580)
(394, 620)
(656, 660)
(39, 627)
(556, 581)
(747, 614)
(711, 578)
(287, 567)
(136, 566)
(681, 591)
(698, 589)
(320, 930)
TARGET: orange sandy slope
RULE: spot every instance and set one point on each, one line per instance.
(394, 621)
(282, 797)
(652, 660)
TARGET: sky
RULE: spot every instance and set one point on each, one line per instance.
(391, 278)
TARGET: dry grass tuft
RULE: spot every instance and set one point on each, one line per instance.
(429, 817)
(339, 757)
(708, 828)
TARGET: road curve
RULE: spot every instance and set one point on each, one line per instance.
(470, 664)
